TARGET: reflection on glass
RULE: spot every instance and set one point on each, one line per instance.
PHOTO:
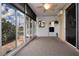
(13, 25)
(20, 28)
(31, 28)
(34, 28)
(8, 28)
(27, 27)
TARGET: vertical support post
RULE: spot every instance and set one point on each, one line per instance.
(24, 24)
(16, 28)
(77, 25)
(0, 32)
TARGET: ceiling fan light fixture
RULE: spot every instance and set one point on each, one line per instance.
(47, 6)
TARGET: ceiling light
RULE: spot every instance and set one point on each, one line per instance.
(47, 6)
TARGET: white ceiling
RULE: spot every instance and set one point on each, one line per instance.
(40, 11)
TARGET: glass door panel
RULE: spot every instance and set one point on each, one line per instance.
(31, 28)
(8, 28)
(27, 28)
(34, 28)
(20, 27)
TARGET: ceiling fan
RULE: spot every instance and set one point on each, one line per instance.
(47, 6)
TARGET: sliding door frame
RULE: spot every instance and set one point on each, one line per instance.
(77, 25)
(15, 17)
(0, 32)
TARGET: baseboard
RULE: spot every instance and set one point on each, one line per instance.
(69, 44)
(61, 39)
(12, 53)
(72, 46)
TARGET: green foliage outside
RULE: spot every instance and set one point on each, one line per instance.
(8, 32)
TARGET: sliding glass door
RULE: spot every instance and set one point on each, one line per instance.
(8, 28)
(13, 25)
(16, 28)
(0, 33)
(20, 27)
(71, 24)
(34, 28)
(31, 28)
(27, 24)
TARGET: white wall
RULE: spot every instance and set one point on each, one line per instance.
(62, 23)
(44, 32)
(62, 26)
